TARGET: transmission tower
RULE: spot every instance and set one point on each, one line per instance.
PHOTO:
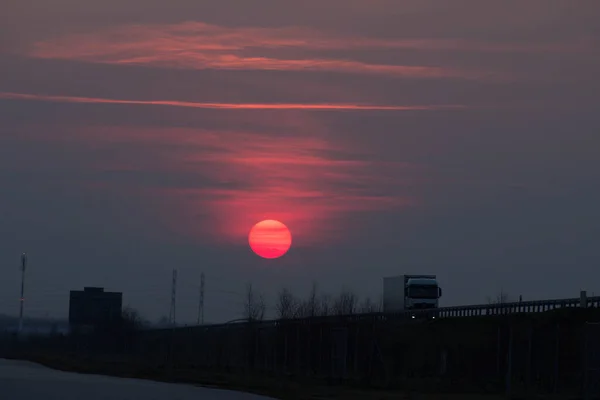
(201, 302)
(173, 309)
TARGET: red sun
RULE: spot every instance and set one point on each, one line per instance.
(270, 239)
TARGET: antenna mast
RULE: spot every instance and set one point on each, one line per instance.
(22, 298)
(201, 302)
(173, 309)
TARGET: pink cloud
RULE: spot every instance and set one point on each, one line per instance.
(234, 179)
(227, 106)
(196, 45)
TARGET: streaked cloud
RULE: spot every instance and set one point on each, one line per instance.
(197, 45)
(213, 185)
(228, 106)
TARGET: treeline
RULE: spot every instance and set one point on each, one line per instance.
(288, 305)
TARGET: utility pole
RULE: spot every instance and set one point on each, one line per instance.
(172, 320)
(22, 299)
(173, 310)
(201, 302)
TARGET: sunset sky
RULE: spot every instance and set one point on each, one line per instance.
(457, 138)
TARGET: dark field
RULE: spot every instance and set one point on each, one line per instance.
(541, 355)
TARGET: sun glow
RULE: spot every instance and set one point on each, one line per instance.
(270, 239)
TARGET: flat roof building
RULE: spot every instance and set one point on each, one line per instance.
(92, 306)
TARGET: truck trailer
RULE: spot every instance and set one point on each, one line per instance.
(411, 292)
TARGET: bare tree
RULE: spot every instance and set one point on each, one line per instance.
(501, 298)
(310, 306)
(325, 305)
(345, 303)
(367, 306)
(254, 305)
(262, 307)
(132, 319)
(301, 310)
(129, 329)
(287, 304)
(312, 302)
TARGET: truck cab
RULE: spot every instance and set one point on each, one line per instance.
(404, 293)
(422, 293)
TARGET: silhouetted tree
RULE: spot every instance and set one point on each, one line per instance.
(287, 304)
(368, 306)
(345, 303)
(325, 305)
(311, 305)
(122, 333)
(254, 306)
(131, 319)
(500, 298)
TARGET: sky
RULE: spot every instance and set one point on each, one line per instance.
(391, 136)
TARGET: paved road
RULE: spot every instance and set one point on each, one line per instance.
(22, 380)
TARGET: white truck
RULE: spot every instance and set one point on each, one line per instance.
(411, 292)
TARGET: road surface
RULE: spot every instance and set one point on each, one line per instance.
(22, 380)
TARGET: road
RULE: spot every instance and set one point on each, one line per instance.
(22, 380)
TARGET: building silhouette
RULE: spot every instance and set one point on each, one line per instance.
(94, 308)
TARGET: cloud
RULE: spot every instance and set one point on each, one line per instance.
(227, 106)
(196, 45)
(213, 185)
(292, 179)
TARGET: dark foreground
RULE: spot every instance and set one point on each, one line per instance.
(544, 355)
(30, 376)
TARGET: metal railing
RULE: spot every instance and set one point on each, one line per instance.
(516, 307)
(476, 310)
